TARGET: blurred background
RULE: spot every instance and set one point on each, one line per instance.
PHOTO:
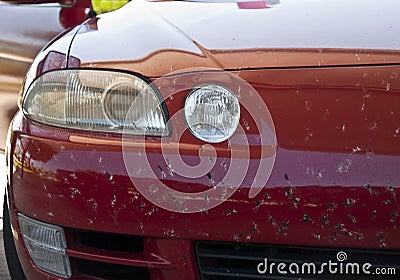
(105, 6)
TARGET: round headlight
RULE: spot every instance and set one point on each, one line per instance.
(117, 100)
(212, 113)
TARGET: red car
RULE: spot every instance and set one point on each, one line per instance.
(211, 140)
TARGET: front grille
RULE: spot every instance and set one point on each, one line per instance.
(232, 261)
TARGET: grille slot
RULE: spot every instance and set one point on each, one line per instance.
(110, 241)
(232, 261)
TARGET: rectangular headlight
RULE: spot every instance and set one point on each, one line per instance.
(96, 100)
(46, 246)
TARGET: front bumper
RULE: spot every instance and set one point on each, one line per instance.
(78, 181)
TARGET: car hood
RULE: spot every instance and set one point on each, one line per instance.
(156, 38)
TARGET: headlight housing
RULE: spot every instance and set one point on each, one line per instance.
(212, 113)
(96, 100)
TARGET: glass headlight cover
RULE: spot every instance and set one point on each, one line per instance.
(96, 100)
(212, 113)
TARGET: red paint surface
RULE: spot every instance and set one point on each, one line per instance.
(335, 182)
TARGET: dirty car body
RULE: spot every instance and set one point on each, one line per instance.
(331, 178)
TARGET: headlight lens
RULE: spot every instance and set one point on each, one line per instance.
(212, 113)
(96, 100)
